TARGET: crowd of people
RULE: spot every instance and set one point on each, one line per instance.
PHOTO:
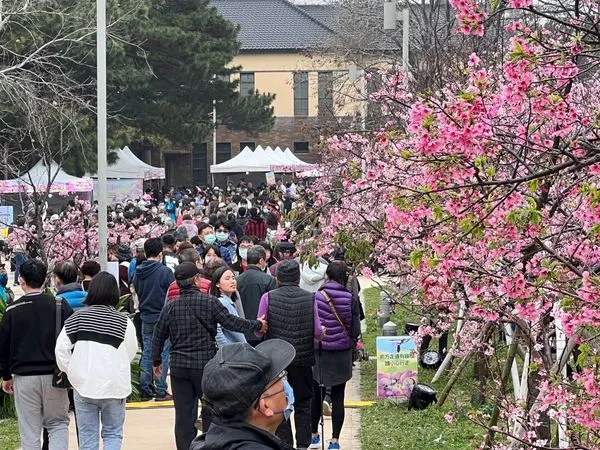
(224, 311)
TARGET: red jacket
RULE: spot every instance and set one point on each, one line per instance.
(256, 226)
(173, 291)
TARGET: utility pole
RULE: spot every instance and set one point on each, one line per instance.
(214, 149)
(102, 163)
(391, 16)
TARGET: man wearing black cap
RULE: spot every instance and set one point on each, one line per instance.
(190, 323)
(293, 316)
(247, 390)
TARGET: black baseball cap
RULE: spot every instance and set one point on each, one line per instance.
(238, 374)
(185, 271)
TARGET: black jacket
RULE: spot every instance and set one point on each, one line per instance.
(28, 335)
(190, 323)
(252, 284)
(237, 436)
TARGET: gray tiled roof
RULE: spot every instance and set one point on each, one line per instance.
(326, 14)
(273, 24)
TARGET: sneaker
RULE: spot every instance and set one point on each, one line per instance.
(327, 407)
(334, 446)
(146, 397)
(164, 398)
(315, 442)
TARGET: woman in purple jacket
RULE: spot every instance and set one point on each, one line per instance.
(339, 314)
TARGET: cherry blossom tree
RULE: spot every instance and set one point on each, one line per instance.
(74, 235)
(484, 198)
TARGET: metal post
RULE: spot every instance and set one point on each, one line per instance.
(214, 150)
(405, 37)
(102, 164)
(390, 18)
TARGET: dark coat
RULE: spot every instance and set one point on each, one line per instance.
(237, 436)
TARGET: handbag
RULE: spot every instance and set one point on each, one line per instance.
(355, 351)
(59, 378)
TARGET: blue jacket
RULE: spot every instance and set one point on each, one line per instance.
(151, 282)
(73, 294)
(227, 250)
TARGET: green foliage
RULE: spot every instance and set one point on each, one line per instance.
(162, 60)
(9, 434)
(393, 426)
(357, 250)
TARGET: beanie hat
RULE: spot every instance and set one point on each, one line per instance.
(288, 271)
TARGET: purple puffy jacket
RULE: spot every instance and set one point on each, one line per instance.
(336, 337)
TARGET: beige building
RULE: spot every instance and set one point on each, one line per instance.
(277, 56)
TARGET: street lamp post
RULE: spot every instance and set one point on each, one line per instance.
(102, 163)
(391, 16)
(214, 146)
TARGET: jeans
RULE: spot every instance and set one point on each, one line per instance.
(40, 405)
(187, 389)
(301, 380)
(19, 259)
(90, 412)
(146, 377)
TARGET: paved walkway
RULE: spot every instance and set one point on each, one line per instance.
(152, 428)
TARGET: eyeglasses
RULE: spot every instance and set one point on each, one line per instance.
(281, 376)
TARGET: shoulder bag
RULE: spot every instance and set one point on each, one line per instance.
(59, 378)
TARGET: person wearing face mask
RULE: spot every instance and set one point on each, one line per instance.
(207, 233)
(241, 265)
(253, 284)
(226, 246)
(248, 392)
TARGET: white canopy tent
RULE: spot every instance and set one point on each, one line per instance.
(150, 172)
(246, 161)
(129, 166)
(40, 176)
(262, 160)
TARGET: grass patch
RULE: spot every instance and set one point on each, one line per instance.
(390, 425)
(9, 434)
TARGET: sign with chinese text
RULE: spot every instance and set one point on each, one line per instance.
(270, 178)
(397, 365)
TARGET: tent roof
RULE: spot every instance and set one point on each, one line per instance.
(151, 172)
(246, 161)
(130, 166)
(39, 176)
(262, 160)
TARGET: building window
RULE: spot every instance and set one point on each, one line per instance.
(326, 93)
(246, 83)
(199, 163)
(301, 147)
(243, 145)
(223, 152)
(301, 94)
